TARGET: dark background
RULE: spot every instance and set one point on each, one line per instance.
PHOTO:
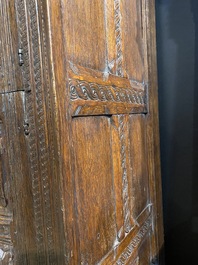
(177, 46)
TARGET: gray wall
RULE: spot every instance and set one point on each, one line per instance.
(177, 44)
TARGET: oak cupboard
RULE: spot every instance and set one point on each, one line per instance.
(79, 142)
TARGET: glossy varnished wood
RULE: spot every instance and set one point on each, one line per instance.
(79, 148)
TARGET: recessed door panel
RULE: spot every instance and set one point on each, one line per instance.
(138, 159)
(95, 215)
(84, 25)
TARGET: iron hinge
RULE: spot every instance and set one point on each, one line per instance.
(20, 55)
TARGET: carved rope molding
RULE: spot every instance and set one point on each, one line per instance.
(127, 253)
(39, 97)
(50, 110)
(41, 118)
(31, 12)
(118, 36)
(34, 169)
(92, 91)
(125, 188)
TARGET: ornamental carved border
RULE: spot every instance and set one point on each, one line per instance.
(125, 185)
(84, 90)
(33, 41)
(118, 37)
(134, 244)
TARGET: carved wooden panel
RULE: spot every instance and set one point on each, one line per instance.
(138, 158)
(126, 255)
(94, 93)
(113, 208)
(97, 191)
(133, 37)
(77, 144)
(93, 182)
(29, 214)
(126, 251)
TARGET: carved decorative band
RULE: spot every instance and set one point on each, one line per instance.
(118, 36)
(92, 91)
(127, 253)
(32, 39)
(125, 186)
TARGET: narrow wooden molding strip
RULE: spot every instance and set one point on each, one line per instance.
(118, 36)
(123, 133)
(135, 243)
(126, 250)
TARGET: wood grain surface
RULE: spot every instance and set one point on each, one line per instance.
(79, 142)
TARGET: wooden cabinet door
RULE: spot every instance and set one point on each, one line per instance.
(83, 176)
(111, 184)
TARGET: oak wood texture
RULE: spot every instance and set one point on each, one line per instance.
(79, 142)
